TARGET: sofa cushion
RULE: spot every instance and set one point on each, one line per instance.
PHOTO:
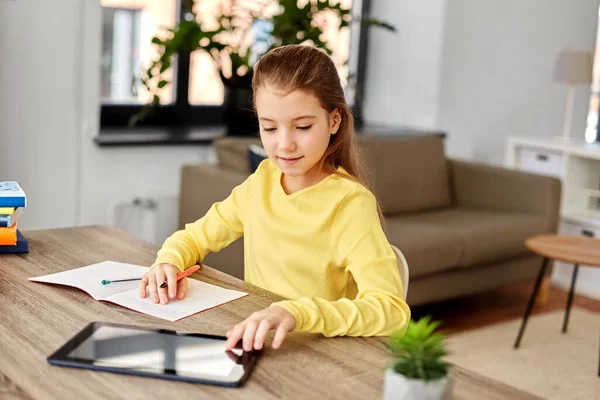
(427, 248)
(408, 174)
(479, 236)
(232, 153)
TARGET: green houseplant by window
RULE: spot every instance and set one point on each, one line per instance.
(229, 42)
(419, 371)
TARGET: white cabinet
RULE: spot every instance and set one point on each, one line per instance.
(588, 279)
(577, 165)
(541, 161)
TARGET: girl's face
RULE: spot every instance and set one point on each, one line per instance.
(295, 132)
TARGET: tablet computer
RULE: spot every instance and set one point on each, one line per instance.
(157, 353)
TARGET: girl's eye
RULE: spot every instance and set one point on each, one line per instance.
(268, 129)
(305, 128)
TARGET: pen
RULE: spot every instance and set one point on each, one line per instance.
(183, 274)
(106, 281)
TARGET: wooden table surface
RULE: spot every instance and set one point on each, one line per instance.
(38, 318)
(572, 249)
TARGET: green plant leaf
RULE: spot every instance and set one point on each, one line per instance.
(292, 24)
(166, 64)
(147, 110)
(419, 350)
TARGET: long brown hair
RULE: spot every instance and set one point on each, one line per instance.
(308, 68)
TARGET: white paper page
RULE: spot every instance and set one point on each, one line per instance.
(90, 278)
(201, 296)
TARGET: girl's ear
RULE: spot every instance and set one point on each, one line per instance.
(335, 119)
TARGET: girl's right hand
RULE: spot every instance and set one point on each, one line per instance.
(156, 276)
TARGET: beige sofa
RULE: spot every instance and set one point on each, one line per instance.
(460, 225)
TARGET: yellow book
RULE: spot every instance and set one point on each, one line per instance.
(7, 210)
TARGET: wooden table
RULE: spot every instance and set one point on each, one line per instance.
(38, 318)
(571, 249)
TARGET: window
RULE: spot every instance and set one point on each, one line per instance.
(196, 94)
(120, 63)
(127, 29)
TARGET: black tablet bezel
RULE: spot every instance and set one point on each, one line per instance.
(61, 356)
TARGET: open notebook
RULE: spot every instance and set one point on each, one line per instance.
(201, 296)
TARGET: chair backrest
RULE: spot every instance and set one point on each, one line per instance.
(403, 268)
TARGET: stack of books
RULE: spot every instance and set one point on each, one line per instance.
(12, 202)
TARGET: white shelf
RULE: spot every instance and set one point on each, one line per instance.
(577, 165)
(573, 147)
(583, 220)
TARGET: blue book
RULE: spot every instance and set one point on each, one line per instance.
(22, 245)
(10, 219)
(11, 195)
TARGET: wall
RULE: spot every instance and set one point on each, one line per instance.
(38, 106)
(403, 68)
(49, 112)
(480, 69)
(498, 59)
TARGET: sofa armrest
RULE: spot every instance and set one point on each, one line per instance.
(201, 187)
(496, 188)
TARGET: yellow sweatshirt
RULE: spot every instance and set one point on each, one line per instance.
(322, 247)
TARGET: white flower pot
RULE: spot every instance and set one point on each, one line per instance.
(398, 387)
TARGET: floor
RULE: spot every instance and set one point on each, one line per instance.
(496, 306)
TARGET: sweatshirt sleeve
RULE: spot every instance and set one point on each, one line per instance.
(219, 227)
(362, 249)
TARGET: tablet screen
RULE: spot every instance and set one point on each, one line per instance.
(162, 353)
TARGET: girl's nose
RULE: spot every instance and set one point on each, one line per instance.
(287, 143)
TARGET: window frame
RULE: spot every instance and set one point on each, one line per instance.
(181, 113)
(597, 138)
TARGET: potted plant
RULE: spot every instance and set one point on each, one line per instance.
(230, 43)
(418, 371)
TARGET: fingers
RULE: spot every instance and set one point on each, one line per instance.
(171, 283)
(182, 288)
(280, 334)
(261, 334)
(143, 285)
(235, 335)
(155, 277)
(152, 287)
(160, 279)
(254, 330)
(248, 343)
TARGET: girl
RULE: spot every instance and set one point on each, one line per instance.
(313, 231)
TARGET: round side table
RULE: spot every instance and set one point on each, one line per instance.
(571, 249)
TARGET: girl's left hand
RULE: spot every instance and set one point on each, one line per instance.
(254, 329)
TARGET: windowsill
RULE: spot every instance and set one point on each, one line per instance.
(142, 136)
(206, 135)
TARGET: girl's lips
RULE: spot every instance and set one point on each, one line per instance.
(290, 161)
